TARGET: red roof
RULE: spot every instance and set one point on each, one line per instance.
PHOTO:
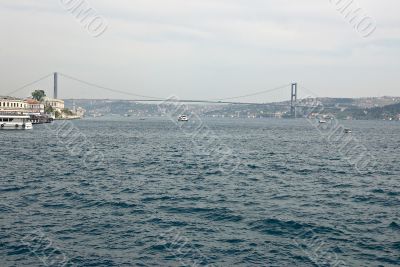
(32, 101)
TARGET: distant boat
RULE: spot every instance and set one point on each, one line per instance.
(95, 115)
(347, 131)
(15, 122)
(183, 118)
(322, 121)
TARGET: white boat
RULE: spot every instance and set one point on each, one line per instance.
(322, 121)
(347, 131)
(183, 118)
(15, 122)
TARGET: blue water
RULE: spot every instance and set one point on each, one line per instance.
(129, 192)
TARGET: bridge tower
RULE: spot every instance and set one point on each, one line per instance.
(293, 100)
(55, 85)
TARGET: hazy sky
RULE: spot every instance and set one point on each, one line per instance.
(203, 49)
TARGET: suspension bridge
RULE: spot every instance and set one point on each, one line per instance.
(292, 104)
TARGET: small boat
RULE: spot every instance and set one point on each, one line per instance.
(15, 122)
(347, 131)
(183, 118)
(322, 121)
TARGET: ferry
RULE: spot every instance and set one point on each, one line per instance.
(183, 118)
(15, 122)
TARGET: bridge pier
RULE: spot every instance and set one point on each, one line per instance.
(293, 100)
(55, 95)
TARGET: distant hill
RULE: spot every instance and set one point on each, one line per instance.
(343, 108)
(388, 112)
(385, 112)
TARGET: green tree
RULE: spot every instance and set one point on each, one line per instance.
(57, 114)
(48, 109)
(38, 95)
(67, 112)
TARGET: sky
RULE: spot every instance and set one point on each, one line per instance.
(201, 49)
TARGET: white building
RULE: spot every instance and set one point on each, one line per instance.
(80, 112)
(13, 105)
(56, 104)
(34, 107)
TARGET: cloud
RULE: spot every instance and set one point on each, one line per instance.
(202, 48)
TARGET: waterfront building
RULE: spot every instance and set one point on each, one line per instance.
(56, 104)
(80, 112)
(13, 105)
(34, 107)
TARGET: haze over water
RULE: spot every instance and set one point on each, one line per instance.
(156, 201)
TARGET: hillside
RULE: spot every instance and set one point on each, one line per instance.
(342, 108)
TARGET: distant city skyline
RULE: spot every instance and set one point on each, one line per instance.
(201, 49)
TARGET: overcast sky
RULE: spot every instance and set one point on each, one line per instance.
(202, 49)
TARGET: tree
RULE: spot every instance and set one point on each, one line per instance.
(48, 109)
(38, 95)
(67, 112)
(57, 114)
